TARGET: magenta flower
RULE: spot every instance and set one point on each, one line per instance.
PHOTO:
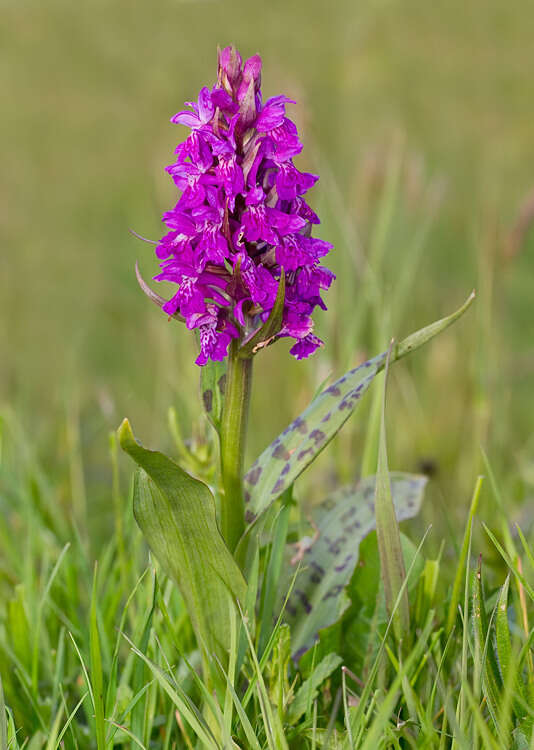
(241, 221)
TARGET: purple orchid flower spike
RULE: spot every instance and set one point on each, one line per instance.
(241, 221)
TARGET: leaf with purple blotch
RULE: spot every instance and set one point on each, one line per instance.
(287, 457)
(328, 558)
(302, 441)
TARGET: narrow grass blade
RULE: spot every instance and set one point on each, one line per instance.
(243, 718)
(491, 679)
(307, 692)
(273, 728)
(329, 558)
(84, 670)
(182, 702)
(41, 605)
(68, 722)
(127, 732)
(373, 735)
(272, 576)
(137, 718)
(97, 676)
(503, 641)
(54, 731)
(387, 530)
(3, 718)
(518, 575)
(358, 717)
(111, 693)
(460, 568)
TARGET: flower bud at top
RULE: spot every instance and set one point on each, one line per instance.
(230, 64)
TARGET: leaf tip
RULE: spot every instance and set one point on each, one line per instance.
(467, 303)
(126, 436)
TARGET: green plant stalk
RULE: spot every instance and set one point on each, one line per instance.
(233, 436)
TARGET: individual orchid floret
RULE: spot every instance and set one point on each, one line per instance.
(241, 226)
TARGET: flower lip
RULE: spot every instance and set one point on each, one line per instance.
(240, 218)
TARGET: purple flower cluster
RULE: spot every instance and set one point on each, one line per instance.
(241, 220)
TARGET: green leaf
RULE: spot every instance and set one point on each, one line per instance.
(509, 666)
(270, 583)
(138, 679)
(3, 720)
(181, 700)
(368, 613)
(18, 626)
(176, 513)
(307, 692)
(278, 669)
(302, 441)
(462, 566)
(387, 533)
(292, 451)
(212, 386)
(492, 682)
(270, 328)
(97, 675)
(502, 632)
(328, 559)
(423, 335)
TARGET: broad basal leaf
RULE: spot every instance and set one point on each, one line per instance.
(302, 441)
(176, 513)
(328, 558)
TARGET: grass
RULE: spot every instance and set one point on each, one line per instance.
(418, 119)
(92, 657)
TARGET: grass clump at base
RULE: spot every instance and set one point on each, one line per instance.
(101, 656)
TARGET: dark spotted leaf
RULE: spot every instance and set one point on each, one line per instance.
(302, 441)
(212, 385)
(176, 514)
(328, 558)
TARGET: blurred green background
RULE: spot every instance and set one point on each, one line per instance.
(418, 117)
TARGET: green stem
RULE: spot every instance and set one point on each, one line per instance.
(233, 437)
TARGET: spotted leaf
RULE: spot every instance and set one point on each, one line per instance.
(287, 457)
(328, 558)
(302, 441)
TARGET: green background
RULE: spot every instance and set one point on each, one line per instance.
(445, 90)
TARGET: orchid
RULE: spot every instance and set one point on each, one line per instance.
(241, 222)
(248, 271)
